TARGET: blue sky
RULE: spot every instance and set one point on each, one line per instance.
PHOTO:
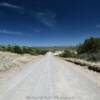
(48, 22)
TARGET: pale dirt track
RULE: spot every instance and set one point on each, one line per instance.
(51, 78)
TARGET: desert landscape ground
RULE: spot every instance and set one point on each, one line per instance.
(49, 77)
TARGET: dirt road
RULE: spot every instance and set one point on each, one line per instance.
(51, 78)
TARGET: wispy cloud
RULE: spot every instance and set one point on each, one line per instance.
(48, 18)
(98, 26)
(5, 4)
(7, 32)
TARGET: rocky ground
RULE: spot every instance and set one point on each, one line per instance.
(95, 66)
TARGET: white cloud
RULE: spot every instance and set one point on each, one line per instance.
(98, 26)
(5, 4)
(7, 32)
(48, 18)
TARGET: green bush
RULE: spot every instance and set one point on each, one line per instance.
(91, 45)
(23, 50)
(90, 57)
(68, 53)
(90, 49)
(17, 49)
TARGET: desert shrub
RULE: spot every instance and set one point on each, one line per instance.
(42, 52)
(90, 56)
(9, 48)
(68, 53)
(91, 45)
(90, 49)
(2, 48)
(39, 51)
(17, 49)
(23, 50)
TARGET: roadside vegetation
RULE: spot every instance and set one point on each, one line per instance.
(90, 49)
(85, 54)
(23, 50)
(69, 53)
(15, 56)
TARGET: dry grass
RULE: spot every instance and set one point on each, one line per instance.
(9, 60)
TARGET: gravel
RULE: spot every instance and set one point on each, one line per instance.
(95, 66)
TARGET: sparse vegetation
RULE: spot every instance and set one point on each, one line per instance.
(91, 45)
(87, 54)
(68, 53)
(90, 49)
(23, 50)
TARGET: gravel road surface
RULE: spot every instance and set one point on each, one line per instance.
(51, 78)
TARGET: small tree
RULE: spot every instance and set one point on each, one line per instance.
(18, 49)
(91, 45)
